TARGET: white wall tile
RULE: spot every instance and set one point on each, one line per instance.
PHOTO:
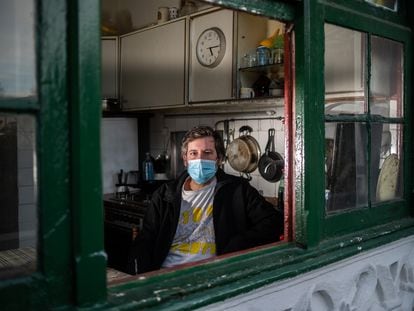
(25, 177)
(264, 125)
(25, 140)
(269, 188)
(26, 195)
(25, 159)
(27, 213)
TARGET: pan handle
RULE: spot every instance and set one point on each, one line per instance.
(272, 132)
(226, 133)
(270, 145)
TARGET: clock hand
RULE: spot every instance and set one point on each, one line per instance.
(212, 47)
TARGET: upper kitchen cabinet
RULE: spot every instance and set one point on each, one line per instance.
(153, 66)
(109, 80)
(260, 57)
(212, 54)
(235, 55)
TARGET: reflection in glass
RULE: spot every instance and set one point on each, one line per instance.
(386, 81)
(344, 79)
(18, 196)
(388, 4)
(17, 49)
(388, 174)
(346, 165)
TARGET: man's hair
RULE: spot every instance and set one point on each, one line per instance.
(200, 132)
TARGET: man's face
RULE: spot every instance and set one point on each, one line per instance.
(201, 148)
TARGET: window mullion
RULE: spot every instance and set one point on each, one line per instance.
(368, 111)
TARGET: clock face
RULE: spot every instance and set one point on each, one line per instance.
(211, 47)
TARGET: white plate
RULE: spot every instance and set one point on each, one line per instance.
(388, 178)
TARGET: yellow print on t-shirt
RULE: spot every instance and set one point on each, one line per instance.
(197, 214)
(195, 248)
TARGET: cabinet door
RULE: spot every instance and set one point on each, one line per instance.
(109, 80)
(153, 66)
(212, 83)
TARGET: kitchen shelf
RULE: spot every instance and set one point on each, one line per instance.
(262, 69)
(125, 114)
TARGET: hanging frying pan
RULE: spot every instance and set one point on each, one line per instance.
(243, 153)
(271, 163)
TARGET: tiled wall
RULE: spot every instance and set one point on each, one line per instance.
(27, 183)
(119, 149)
(162, 125)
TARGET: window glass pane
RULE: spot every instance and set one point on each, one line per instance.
(344, 79)
(386, 81)
(17, 49)
(18, 195)
(389, 4)
(386, 154)
(346, 165)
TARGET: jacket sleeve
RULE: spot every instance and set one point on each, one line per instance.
(264, 224)
(141, 258)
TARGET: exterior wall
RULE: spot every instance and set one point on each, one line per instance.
(380, 279)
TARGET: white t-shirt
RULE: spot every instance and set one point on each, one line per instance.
(194, 239)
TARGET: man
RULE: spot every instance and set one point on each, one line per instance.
(204, 213)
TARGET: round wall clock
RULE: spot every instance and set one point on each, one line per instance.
(211, 47)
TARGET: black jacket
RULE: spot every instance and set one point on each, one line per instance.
(242, 219)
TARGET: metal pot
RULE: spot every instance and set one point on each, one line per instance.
(243, 153)
(271, 163)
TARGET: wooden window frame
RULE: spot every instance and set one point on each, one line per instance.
(72, 265)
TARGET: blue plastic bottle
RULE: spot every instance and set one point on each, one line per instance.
(148, 167)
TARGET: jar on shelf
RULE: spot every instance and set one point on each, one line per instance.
(277, 55)
(263, 55)
(188, 8)
(248, 60)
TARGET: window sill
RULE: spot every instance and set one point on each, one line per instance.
(228, 276)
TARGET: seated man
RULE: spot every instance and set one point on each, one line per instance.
(204, 213)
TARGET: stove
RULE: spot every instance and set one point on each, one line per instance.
(124, 217)
(126, 210)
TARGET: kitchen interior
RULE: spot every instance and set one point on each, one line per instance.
(158, 82)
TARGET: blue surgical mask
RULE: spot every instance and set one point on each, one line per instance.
(201, 170)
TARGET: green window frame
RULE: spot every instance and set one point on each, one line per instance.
(313, 226)
(72, 263)
(376, 214)
(67, 113)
